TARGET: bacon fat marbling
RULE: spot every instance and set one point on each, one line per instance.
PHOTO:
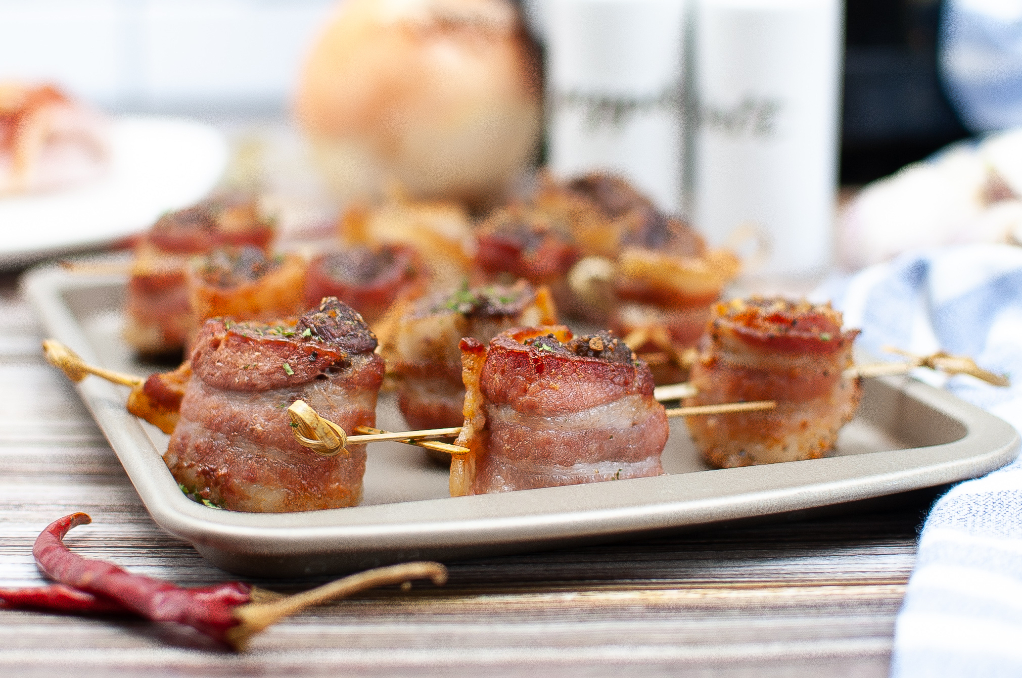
(157, 311)
(544, 409)
(233, 443)
(792, 352)
(422, 344)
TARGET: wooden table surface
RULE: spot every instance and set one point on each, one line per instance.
(779, 598)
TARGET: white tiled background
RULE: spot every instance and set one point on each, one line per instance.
(207, 57)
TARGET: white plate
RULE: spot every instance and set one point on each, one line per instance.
(157, 164)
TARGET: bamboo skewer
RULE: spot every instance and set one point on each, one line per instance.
(76, 369)
(96, 267)
(427, 444)
(941, 361)
(726, 408)
(324, 437)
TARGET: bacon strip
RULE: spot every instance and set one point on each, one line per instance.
(245, 284)
(598, 206)
(157, 311)
(158, 401)
(545, 409)
(422, 347)
(370, 279)
(233, 444)
(792, 352)
(666, 281)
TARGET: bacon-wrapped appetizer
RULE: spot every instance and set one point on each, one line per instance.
(157, 313)
(665, 282)
(233, 444)
(422, 346)
(524, 242)
(598, 206)
(794, 353)
(370, 279)
(544, 408)
(245, 284)
(158, 398)
(440, 231)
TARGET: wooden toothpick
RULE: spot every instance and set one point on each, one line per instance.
(724, 408)
(76, 369)
(941, 361)
(326, 438)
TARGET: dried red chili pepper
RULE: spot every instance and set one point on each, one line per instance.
(57, 598)
(229, 613)
(61, 598)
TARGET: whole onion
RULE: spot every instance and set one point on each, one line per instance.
(440, 96)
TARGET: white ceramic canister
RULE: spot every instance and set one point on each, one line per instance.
(767, 75)
(614, 86)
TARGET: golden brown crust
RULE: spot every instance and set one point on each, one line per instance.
(792, 352)
(271, 289)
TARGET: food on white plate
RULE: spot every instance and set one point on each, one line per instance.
(421, 345)
(769, 348)
(442, 96)
(157, 312)
(544, 408)
(48, 140)
(233, 445)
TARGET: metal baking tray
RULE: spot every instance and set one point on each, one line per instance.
(905, 436)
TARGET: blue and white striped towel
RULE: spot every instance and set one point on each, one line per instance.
(962, 614)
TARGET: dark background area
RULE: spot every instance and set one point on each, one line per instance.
(895, 110)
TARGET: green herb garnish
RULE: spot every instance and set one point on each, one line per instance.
(288, 370)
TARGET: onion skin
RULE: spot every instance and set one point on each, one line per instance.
(440, 96)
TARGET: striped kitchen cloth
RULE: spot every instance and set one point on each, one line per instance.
(962, 614)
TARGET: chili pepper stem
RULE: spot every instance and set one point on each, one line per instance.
(256, 617)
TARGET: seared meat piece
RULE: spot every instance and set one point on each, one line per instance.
(793, 352)
(233, 443)
(544, 408)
